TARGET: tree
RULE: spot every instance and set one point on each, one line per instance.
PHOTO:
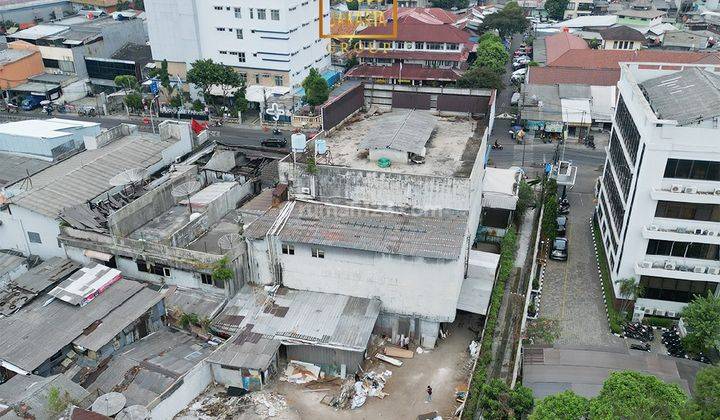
(498, 401)
(702, 318)
(491, 55)
(565, 405)
(352, 5)
(556, 8)
(630, 289)
(204, 74)
(481, 77)
(134, 101)
(633, 395)
(221, 272)
(510, 20)
(164, 76)
(526, 198)
(549, 222)
(127, 82)
(450, 4)
(139, 5)
(316, 88)
(705, 404)
(229, 82)
(489, 36)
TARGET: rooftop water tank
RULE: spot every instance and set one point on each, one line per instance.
(320, 146)
(297, 142)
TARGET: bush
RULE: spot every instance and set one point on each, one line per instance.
(615, 319)
(508, 247)
(657, 321)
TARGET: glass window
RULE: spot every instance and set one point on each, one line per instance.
(419, 45)
(34, 237)
(238, 12)
(261, 14)
(241, 57)
(142, 266)
(206, 278)
(274, 14)
(252, 13)
(628, 129)
(318, 253)
(692, 169)
(239, 33)
(688, 211)
(288, 249)
(278, 80)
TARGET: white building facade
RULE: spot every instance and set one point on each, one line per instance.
(269, 43)
(659, 199)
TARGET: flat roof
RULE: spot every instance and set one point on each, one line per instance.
(406, 130)
(86, 175)
(39, 31)
(48, 328)
(451, 151)
(15, 167)
(259, 323)
(500, 188)
(477, 286)
(10, 55)
(647, 14)
(686, 96)
(51, 128)
(438, 236)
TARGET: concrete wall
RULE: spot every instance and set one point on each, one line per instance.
(250, 379)
(178, 277)
(29, 11)
(117, 36)
(12, 274)
(17, 72)
(182, 393)
(18, 221)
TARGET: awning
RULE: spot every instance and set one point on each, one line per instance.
(576, 111)
(97, 255)
(500, 188)
(554, 127)
(477, 287)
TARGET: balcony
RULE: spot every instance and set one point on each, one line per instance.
(681, 231)
(679, 268)
(690, 192)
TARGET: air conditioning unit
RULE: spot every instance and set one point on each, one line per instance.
(690, 190)
(705, 232)
(305, 190)
(669, 265)
(711, 233)
(717, 191)
(652, 228)
(648, 311)
(676, 188)
(659, 312)
(713, 270)
(698, 231)
(671, 314)
(699, 269)
(646, 264)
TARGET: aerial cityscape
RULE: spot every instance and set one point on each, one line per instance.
(359, 209)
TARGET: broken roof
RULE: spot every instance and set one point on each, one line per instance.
(48, 328)
(86, 175)
(403, 130)
(15, 168)
(260, 323)
(34, 391)
(687, 96)
(22, 290)
(366, 229)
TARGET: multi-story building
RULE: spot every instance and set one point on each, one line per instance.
(659, 199)
(577, 8)
(269, 43)
(428, 49)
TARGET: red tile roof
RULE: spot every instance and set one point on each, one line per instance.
(407, 72)
(562, 42)
(415, 55)
(610, 59)
(421, 32)
(560, 75)
(428, 15)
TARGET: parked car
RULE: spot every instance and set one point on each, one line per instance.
(561, 225)
(559, 249)
(274, 142)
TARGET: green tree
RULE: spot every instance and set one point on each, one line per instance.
(164, 77)
(126, 82)
(556, 8)
(450, 4)
(489, 36)
(481, 77)
(134, 101)
(57, 402)
(139, 4)
(533, 64)
(549, 222)
(498, 401)
(352, 4)
(221, 272)
(702, 318)
(633, 395)
(705, 404)
(230, 83)
(526, 199)
(316, 88)
(491, 55)
(629, 290)
(566, 405)
(510, 20)
(204, 74)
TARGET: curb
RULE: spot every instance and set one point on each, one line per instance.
(602, 288)
(538, 298)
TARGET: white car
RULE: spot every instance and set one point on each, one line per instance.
(515, 99)
(519, 73)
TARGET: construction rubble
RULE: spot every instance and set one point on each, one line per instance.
(353, 394)
(220, 405)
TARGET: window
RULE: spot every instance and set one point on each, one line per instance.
(288, 249)
(223, 52)
(238, 12)
(419, 45)
(434, 46)
(241, 57)
(217, 7)
(452, 47)
(243, 76)
(615, 44)
(220, 29)
(688, 211)
(166, 271)
(142, 266)
(613, 196)
(628, 129)
(674, 289)
(318, 253)
(34, 237)
(619, 163)
(261, 13)
(239, 33)
(692, 169)
(252, 13)
(278, 80)
(206, 278)
(274, 14)
(257, 79)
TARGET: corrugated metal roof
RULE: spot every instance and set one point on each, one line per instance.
(9, 262)
(686, 96)
(404, 130)
(368, 230)
(86, 175)
(36, 332)
(260, 323)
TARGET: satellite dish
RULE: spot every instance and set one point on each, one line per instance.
(229, 241)
(130, 176)
(185, 190)
(109, 404)
(134, 412)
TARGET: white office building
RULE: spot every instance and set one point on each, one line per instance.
(270, 43)
(659, 200)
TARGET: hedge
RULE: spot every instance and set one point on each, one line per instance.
(658, 321)
(614, 317)
(508, 247)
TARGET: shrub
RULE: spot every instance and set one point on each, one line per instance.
(614, 318)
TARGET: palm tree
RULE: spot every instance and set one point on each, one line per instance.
(630, 290)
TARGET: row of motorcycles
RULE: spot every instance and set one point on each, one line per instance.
(670, 338)
(563, 206)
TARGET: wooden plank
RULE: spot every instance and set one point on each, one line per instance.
(398, 352)
(388, 359)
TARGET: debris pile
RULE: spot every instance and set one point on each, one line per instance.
(353, 394)
(301, 373)
(220, 405)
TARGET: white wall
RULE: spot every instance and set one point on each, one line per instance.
(194, 382)
(13, 232)
(180, 278)
(173, 30)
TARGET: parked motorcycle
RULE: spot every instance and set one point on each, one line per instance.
(641, 346)
(497, 146)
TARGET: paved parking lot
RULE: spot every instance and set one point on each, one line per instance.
(571, 290)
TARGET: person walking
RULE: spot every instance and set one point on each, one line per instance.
(429, 394)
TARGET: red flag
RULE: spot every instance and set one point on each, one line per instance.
(197, 127)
